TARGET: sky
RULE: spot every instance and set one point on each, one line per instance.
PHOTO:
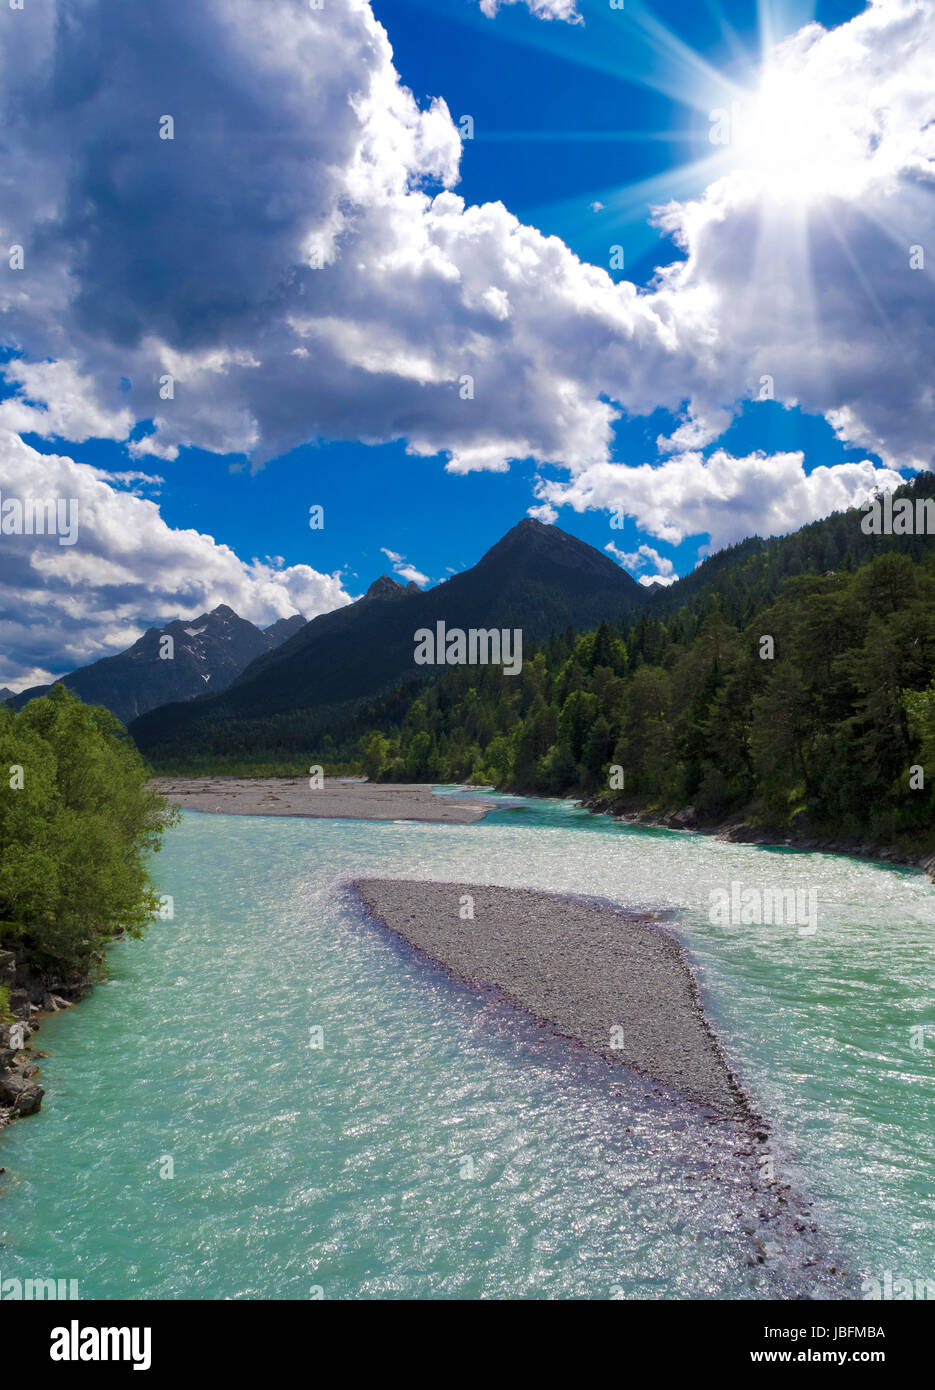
(654, 273)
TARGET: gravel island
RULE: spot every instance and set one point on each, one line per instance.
(615, 982)
(293, 796)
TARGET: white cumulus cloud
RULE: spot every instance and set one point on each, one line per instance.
(542, 9)
(403, 568)
(62, 606)
(297, 261)
(663, 569)
(725, 497)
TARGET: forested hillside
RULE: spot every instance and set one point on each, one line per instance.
(536, 578)
(824, 722)
(748, 575)
(822, 725)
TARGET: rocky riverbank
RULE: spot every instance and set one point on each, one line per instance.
(739, 830)
(30, 998)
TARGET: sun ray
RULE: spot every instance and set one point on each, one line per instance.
(920, 198)
(691, 72)
(764, 11)
(631, 45)
(872, 297)
(742, 53)
(782, 279)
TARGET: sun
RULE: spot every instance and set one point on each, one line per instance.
(797, 142)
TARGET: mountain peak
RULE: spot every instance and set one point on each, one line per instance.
(283, 628)
(384, 587)
(545, 552)
(528, 528)
(222, 613)
(209, 651)
(537, 579)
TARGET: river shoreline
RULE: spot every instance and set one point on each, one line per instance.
(740, 831)
(30, 1001)
(415, 801)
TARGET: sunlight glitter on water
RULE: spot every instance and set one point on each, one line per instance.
(342, 1168)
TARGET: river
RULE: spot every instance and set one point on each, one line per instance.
(195, 1141)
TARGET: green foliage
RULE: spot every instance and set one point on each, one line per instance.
(575, 719)
(374, 753)
(920, 711)
(273, 766)
(76, 825)
(822, 734)
(5, 1015)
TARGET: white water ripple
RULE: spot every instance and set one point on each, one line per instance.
(344, 1168)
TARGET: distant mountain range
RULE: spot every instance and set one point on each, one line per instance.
(537, 578)
(234, 691)
(206, 653)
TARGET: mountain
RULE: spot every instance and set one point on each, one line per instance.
(822, 732)
(537, 578)
(282, 629)
(6, 694)
(207, 651)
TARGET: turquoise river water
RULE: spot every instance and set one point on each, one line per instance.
(437, 1143)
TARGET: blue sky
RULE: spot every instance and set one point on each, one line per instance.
(537, 92)
(579, 130)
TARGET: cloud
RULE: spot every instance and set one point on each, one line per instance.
(412, 575)
(663, 568)
(723, 497)
(542, 9)
(697, 429)
(296, 262)
(62, 606)
(52, 399)
(802, 272)
(404, 569)
(292, 265)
